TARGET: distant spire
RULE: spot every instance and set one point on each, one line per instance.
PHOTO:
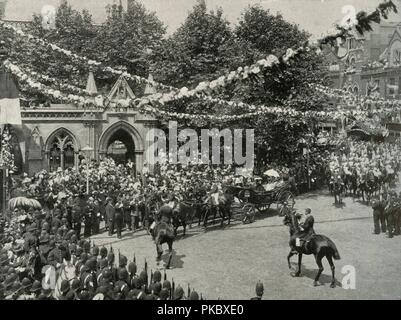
(149, 89)
(91, 84)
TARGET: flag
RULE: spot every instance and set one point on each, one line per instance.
(10, 112)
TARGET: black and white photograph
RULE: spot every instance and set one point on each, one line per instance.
(210, 150)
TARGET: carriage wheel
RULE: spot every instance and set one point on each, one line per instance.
(288, 197)
(248, 213)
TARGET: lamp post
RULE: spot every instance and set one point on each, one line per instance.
(87, 150)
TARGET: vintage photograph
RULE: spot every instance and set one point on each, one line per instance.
(200, 150)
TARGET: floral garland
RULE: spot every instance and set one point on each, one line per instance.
(241, 73)
(148, 105)
(25, 79)
(83, 59)
(363, 102)
(6, 151)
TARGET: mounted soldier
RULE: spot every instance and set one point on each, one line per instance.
(306, 231)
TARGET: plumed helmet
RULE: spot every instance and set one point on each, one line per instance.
(167, 285)
(107, 274)
(123, 261)
(122, 274)
(110, 257)
(102, 263)
(194, 295)
(156, 288)
(132, 268)
(103, 252)
(157, 276)
(143, 276)
(259, 288)
(136, 283)
(178, 293)
(164, 294)
(95, 251)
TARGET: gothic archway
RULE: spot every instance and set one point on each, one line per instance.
(122, 142)
(62, 150)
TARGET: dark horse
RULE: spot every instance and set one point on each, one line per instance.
(223, 207)
(183, 214)
(319, 245)
(164, 233)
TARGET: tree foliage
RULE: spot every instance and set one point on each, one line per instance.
(203, 48)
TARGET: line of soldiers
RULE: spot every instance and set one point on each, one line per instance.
(387, 214)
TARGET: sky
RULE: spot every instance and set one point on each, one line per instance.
(314, 16)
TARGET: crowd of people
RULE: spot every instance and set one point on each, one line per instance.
(364, 168)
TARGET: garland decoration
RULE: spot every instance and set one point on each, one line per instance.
(6, 151)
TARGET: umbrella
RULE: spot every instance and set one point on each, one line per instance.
(272, 173)
(23, 202)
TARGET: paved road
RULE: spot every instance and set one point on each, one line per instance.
(227, 262)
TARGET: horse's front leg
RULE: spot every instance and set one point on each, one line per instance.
(170, 254)
(159, 250)
(299, 265)
(289, 258)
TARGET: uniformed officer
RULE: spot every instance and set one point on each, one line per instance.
(378, 216)
(110, 215)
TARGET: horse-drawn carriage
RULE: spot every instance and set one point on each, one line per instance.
(249, 200)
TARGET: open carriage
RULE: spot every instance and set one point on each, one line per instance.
(249, 201)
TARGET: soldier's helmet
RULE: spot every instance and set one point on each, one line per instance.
(122, 274)
(132, 268)
(178, 293)
(75, 285)
(123, 261)
(193, 295)
(259, 288)
(103, 252)
(110, 257)
(157, 276)
(164, 294)
(95, 251)
(167, 285)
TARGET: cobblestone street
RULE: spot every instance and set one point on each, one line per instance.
(228, 262)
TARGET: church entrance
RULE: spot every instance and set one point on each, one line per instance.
(121, 147)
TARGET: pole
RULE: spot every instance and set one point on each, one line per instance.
(309, 187)
(87, 177)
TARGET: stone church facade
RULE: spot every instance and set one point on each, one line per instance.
(52, 138)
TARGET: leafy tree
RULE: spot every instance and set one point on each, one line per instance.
(197, 51)
(128, 38)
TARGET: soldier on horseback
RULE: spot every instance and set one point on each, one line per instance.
(305, 231)
(165, 214)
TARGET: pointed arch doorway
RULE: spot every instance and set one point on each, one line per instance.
(123, 143)
(121, 147)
